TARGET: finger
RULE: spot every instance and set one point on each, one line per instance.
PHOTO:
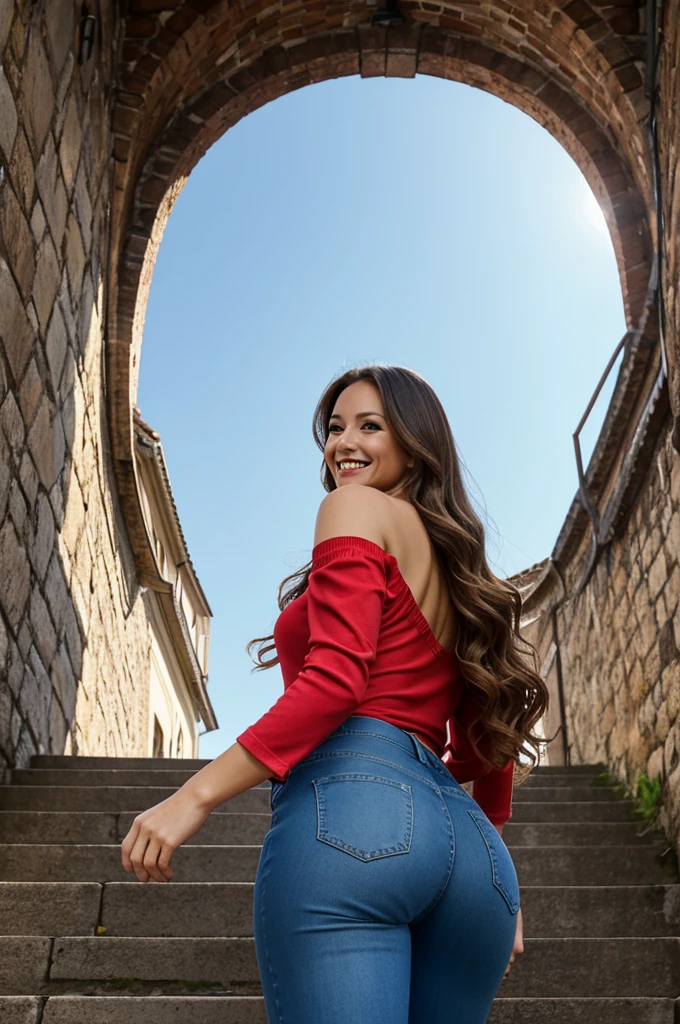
(164, 860)
(151, 860)
(127, 845)
(137, 856)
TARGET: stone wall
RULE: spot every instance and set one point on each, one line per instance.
(620, 644)
(73, 639)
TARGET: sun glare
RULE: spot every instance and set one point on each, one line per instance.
(593, 212)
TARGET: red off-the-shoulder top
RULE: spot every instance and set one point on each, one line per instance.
(356, 642)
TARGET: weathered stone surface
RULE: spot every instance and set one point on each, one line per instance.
(15, 575)
(8, 117)
(46, 284)
(16, 332)
(17, 238)
(37, 93)
(46, 442)
(12, 425)
(51, 190)
(42, 547)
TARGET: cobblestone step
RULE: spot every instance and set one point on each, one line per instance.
(558, 865)
(637, 966)
(251, 827)
(205, 909)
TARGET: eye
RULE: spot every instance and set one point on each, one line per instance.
(367, 423)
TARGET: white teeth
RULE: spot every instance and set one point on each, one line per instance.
(352, 465)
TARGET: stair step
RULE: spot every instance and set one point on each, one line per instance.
(557, 865)
(77, 763)
(112, 798)
(177, 777)
(49, 908)
(635, 966)
(251, 827)
(225, 908)
(545, 811)
(250, 1010)
(206, 909)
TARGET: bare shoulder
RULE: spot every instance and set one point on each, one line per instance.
(354, 511)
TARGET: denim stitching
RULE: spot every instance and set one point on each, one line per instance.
(455, 787)
(386, 851)
(442, 888)
(512, 902)
(438, 764)
(270, 967)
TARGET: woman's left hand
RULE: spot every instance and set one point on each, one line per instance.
(518, 946)
(156, 833)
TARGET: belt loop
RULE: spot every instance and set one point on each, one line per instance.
(418, 748)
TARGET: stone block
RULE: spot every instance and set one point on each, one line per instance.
(51, 191)
(71, 143)
(56, 343)
(38, 222)
(24, 963)
(44, 537)
(15, 576)
(22, 173)
(44, 632)
(37, 92)
(64, 681)
(6, 12)
(17, 239)
(29, 394)
(47, 277)
(12, 425)
(75, 258)
(60, 24)
(46, 442)
(8, 117)
(18, 510)
(16, 332)
(28, 478)
(657, 575)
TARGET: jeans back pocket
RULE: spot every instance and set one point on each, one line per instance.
(502, 867)
(367, 816)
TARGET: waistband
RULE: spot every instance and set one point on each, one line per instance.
(404, 739)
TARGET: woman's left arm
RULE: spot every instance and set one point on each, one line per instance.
(156, 833)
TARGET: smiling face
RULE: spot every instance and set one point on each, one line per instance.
(358, 430)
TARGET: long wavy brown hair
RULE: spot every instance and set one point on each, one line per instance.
(509, 691)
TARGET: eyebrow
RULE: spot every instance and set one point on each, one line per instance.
(337, 416)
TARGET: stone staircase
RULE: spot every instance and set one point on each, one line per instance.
(82, 942)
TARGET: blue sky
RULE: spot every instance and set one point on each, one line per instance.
(417, 222)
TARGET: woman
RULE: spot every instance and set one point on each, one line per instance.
(384, 892)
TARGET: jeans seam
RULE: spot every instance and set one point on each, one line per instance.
(455, 787)
(452, 851)
(495, 868)
(440, 766)
(266, 950)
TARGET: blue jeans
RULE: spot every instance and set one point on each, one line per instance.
(383, 894)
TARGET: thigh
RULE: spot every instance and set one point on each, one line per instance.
(331, 907)
(461, 948)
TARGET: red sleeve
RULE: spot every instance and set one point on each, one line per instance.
(346, 592)
(493, 791)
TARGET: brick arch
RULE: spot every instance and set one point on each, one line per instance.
(187, 76)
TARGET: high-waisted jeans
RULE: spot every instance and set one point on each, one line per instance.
(383, 894)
